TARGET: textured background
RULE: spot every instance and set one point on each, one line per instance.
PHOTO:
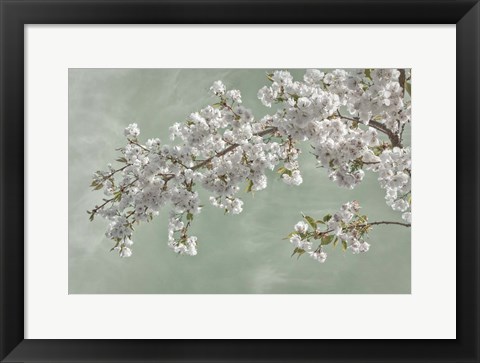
(237, 254)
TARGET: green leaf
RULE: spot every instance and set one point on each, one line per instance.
(282, 170)
(335, 242)
(408, 87)
(249, 186)
(299, 251)
(327, 240)
(122, 160)
(344, 245)
(98, 187)
(290, 235)
(189, 217)
(327, 217)
(311, 222)
(368, 73)
(118, 196)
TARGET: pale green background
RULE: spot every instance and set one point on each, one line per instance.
(237, 254)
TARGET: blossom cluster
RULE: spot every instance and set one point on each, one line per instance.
(222, 147)
(346, 226)
(313, 110)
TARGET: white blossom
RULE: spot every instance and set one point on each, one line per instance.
(125, 252)
(132, 130)
(301, 227)
(319, 256)
(218, 88)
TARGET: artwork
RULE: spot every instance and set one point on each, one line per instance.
(250, 180)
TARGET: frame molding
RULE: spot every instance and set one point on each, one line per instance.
(16, 13)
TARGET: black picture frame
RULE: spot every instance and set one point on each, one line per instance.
(15, 14)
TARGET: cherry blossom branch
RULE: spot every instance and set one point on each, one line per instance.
(140, 146)
(116, 171)
(394, 138)
(98, 207)
(223, 152)
(346, 226)
(231, 148)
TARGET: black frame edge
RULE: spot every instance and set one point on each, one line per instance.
(11, 182)
(237, 11)
(468, 177)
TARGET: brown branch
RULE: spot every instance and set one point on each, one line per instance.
(116, 171)
(393, 137)
(136, 143)
(385, 222)
(401, 80)
(122, 189)
(317, 235)
(225, 151)
(221, 153)
(230, 108)
(98, 207)
(231, 148)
